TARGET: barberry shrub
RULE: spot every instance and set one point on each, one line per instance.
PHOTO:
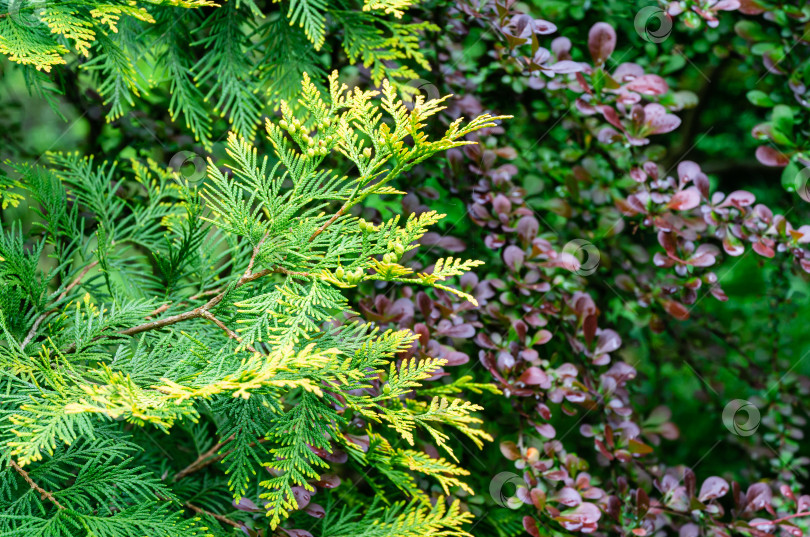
(177, 357)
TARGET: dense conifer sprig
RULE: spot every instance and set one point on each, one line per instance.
(175, 322)
(230, 58)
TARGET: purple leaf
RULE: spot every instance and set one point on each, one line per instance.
(705, 255)
(685, 200)
(510, 450)
(739, 198)
(567, 496)
(501, 204)
(642, 503)
(315, 510)
(601, 41)
(658, 120)
(530, 526)
(758, 496)
(608, 341)
(543, 27)
(451, 244)
(534, 376)
(561, 46)
(648, 85)
(676, 309)
(297, 533)
(688, 171)
(732, 245)
(245, 504)
(546, 429)
(769, 156)
(713, 487)
(567, 66)
(763, 249)
(611, 116)
(513, 257)
(456, 358)
(329, 481)
(455, 331)
(527, 228)
(302, 496)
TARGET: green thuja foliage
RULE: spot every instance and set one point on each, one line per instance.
(170, 350)
(235, 59)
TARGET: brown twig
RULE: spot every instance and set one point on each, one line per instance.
(328, 223)
(337, 215)
(160, 323)
(204, 310)
(220, 518)
(206, 293)
(42, 492)
(231, 334)
(256, 249)
(203, 460)
(778, 520)
(198, 296)
(201, 311)
(158, 310)
(209, 458)
(42, 317)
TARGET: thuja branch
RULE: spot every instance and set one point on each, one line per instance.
(204, 310)
(42, 492)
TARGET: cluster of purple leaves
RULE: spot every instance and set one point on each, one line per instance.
(778, 35)
(539, 329)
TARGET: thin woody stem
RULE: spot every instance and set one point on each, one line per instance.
(219, 518)
(209, 457)
(160, 323)
(164, 307)
(204, 309)
(231, 334)
(338, 214)
(38, 321)
(778, 520)
(42, 492)
(203, 460)
(256, 250)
